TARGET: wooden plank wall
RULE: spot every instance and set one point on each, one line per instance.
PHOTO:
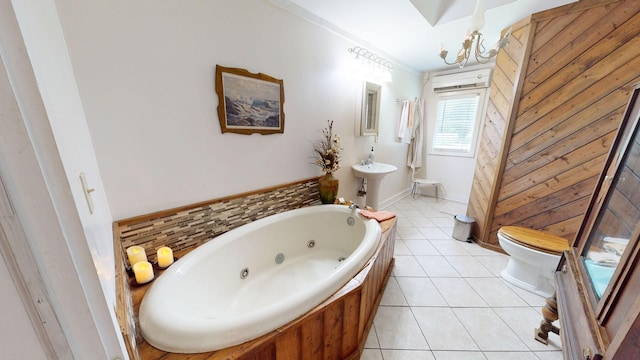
(496, 132)
(572, 89)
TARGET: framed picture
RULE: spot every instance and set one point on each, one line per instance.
(249, 103)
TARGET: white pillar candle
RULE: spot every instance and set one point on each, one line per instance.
(165, 257)
(136, 254)
(143, 271)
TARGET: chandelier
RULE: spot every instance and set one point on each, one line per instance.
(474, 36)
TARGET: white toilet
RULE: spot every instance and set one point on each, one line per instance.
(534, 256)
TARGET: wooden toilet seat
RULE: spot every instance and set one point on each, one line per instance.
(535, 239)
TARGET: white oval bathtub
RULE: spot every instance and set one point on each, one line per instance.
(256, 278)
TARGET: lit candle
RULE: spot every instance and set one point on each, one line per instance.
(165, 257)
(143, 272)
(136, 254)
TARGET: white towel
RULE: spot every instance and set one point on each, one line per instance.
(414, 154)
(404, 131)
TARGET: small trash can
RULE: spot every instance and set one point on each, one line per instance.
(462, 227)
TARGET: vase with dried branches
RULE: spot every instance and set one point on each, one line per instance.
(327, 154)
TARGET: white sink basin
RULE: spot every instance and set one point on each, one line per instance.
(373, 171)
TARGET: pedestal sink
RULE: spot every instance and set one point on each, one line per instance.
(373, 172)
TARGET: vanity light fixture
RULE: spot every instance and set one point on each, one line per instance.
(475, 36)
(373, 64)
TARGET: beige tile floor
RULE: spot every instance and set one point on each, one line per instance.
(446, 300)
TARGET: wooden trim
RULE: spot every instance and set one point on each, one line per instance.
(494, 247)
(573, 335)
(624, 343)
(508, 133)
(123, 296)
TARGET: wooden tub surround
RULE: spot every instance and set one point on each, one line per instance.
(335, 329)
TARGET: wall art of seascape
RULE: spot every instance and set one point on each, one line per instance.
(252, 102)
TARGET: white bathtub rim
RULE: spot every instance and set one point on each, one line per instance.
(279, 313)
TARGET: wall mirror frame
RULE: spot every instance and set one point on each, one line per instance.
(370, 111)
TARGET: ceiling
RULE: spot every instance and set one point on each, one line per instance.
(410, 32)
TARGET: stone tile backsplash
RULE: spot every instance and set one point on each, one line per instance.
(190, 226)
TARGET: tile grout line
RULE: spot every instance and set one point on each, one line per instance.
(423, 207)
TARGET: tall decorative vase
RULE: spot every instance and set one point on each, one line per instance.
(328, 188)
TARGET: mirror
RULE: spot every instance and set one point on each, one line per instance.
(615, 227)
(370, 115)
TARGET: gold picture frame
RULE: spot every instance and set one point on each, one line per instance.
(249, 103)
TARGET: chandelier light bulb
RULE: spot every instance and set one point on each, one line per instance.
(477, 19)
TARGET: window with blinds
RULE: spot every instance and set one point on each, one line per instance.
(456, 123)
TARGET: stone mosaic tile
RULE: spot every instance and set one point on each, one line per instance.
(190, 227)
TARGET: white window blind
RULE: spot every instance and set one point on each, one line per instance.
(456, 120)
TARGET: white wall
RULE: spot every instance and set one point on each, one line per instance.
(455, 173)
(145, 71)
(54, 116)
